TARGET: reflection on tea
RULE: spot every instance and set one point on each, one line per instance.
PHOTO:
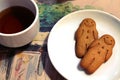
(15, 19)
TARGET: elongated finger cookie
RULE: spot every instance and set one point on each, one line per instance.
(84, 36)
(99, 52)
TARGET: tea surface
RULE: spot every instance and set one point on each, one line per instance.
(15, 19)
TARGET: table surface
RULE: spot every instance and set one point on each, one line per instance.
(31, 62)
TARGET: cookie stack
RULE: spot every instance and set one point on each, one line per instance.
(92, 50)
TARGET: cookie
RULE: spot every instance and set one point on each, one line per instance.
(98, 53)
(84, 36)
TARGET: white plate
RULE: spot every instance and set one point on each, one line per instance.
(61, 46)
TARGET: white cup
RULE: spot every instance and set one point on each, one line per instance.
(25, 36)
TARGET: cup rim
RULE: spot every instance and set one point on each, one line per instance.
(25, 30)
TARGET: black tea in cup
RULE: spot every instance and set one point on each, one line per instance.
(15, 19)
